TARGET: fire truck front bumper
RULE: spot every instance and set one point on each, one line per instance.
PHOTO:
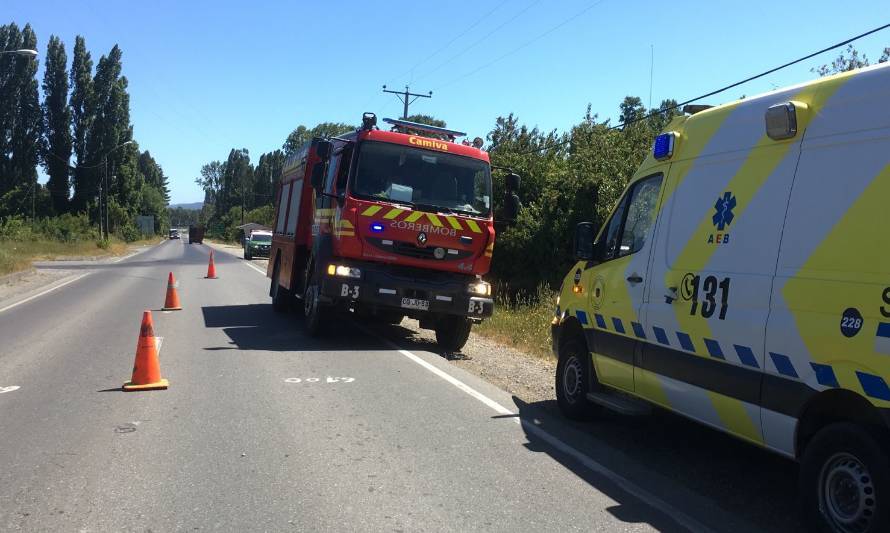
(415, 293)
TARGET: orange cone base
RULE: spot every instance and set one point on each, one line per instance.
(171, 309)
(158, 385)
(211, 277)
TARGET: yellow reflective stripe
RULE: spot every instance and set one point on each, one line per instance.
(434, 219)
(414, 216)
(393, 213)
(454, 223)
(473, 226)
(346, 224)
(369, 212)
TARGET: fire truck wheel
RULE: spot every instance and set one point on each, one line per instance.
(452, 332)
(313, 311)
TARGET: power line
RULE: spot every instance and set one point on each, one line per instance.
(525, 44)
(722, 89)
(480, 40)
(449, 43)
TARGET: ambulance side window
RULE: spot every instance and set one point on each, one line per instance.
(640, 216)
(332, 172)
(631, 222)
(605, 247)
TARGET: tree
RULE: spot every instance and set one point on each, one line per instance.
(631, 109)
(153, 174)
(848, 60)
(81, 121)
(56, 125)
(428, 120)
(302, 135)
(20, 114)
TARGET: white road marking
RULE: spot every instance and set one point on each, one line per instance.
(628, 486)
(258, 269)
(9, 388)
(328, 379)
(47, 291)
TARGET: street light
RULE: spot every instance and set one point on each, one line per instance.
(105, 187)
(23, 52)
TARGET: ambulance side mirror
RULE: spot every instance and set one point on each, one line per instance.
(512, 181)
(583, 241)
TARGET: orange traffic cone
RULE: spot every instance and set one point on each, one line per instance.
(211, 268)
(171, 302)
(146, 368)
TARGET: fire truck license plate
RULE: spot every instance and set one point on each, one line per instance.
(414, 303)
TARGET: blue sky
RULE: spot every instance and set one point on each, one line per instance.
(207, 76)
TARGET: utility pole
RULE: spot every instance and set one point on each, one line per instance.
(404, 98)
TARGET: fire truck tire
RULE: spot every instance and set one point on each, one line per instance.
(314, 313)
(452, 332)
(280, 295)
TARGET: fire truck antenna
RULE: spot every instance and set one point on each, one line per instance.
(404, 97)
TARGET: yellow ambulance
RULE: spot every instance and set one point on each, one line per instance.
(743, 281)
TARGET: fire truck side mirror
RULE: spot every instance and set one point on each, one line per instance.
(512, 205)
(317, 178)
(323, 149)
(512, 182)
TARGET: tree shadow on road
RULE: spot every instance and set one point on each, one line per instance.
(661, 452)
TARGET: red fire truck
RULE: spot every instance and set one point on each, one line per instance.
(388, 224)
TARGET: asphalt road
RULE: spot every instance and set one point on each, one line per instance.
(263, 428)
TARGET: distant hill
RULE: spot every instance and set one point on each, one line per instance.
(192, 206)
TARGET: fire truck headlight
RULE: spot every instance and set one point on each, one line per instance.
(480, 288)
(344, 271)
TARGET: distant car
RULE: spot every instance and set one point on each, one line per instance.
(258, 244)
(174, 234)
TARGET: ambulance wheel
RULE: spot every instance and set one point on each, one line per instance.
(314, 312)
(452, 332)
(573, 380)
(845, 481)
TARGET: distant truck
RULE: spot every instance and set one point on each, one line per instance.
(388, 224)
(196, 234)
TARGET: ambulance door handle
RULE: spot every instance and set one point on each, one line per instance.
(671, 296)
(635, 278)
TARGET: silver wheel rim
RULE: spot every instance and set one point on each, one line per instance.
(847, 494)
(571, 379)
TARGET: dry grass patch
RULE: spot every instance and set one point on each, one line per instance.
(523, 324)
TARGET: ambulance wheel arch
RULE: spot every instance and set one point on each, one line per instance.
(831, 407)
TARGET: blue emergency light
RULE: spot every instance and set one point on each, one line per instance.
(377, 227)
(664, 146)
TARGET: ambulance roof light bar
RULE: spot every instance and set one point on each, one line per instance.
(404, 125)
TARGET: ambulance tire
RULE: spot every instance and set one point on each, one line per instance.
(280, 295)
(842, 474)
(314, 313)
(452, 332)
(573, 380)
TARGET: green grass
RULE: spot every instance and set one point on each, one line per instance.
(523, 324)
(18, 255)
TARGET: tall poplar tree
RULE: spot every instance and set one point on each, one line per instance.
(56, 124)
(81, 121)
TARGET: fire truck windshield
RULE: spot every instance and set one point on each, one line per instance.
(422, 178)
